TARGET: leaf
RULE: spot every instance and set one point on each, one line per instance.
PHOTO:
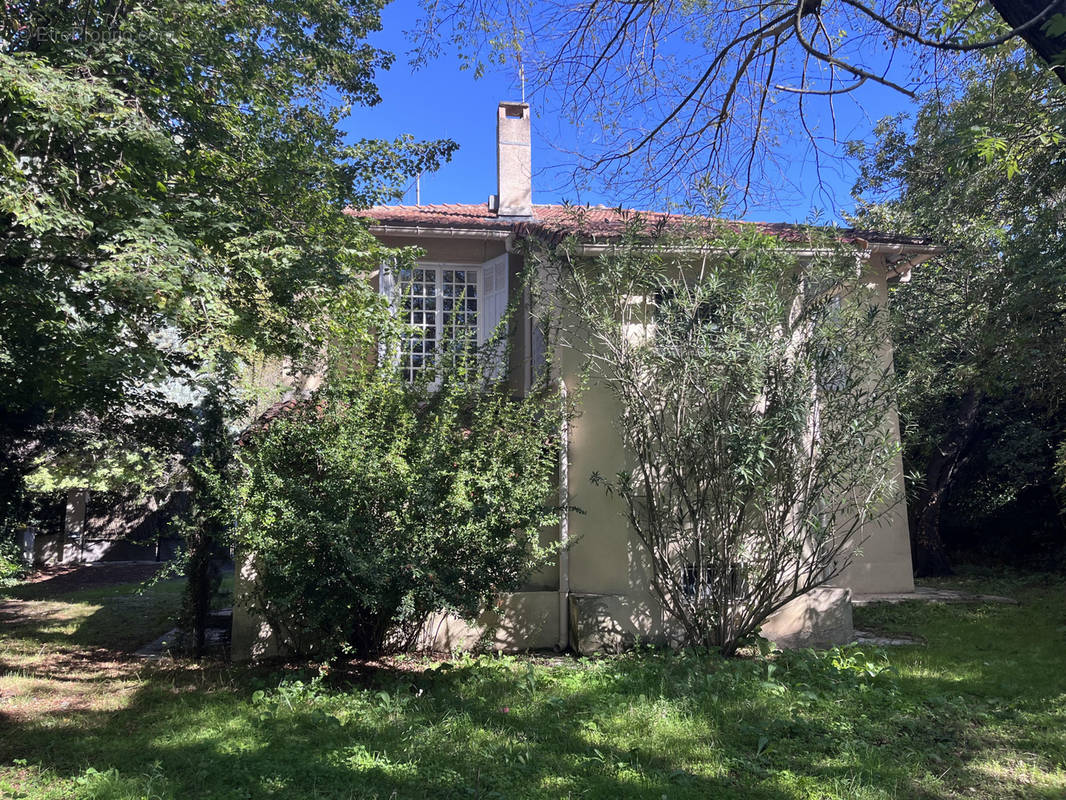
(1056, 25)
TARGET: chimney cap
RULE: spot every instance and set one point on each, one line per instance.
(513, 108)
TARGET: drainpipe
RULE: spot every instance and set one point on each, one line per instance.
(564, 522)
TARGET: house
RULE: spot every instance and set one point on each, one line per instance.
(597, 596)
(104, 526)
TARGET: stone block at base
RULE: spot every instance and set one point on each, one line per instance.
(821, 618)
(599, 623)
(595, 626)
(521, 621)
(613, 623)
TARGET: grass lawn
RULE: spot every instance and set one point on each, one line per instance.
(979, 711)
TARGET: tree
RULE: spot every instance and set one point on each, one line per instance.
(1045, 39)
(172, 206)
(753, 394)
(979, 331)
(67, 336)
(381, 501)
(690, 99)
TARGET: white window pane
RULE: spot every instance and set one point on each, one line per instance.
(441, 304)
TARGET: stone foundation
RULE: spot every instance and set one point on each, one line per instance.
(598, 624)
(821, 618)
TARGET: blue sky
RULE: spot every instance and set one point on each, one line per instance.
(442, 101)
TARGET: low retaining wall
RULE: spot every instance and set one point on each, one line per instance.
(53, 549)
(598, 623)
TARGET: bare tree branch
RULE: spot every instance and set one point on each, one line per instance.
(947, 44)
(671, 98)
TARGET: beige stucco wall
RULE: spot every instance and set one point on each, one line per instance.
(448, 249)
(883, 563)
(611, 600)
(606, 557)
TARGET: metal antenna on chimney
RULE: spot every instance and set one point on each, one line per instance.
(418, 189)
(518, 55)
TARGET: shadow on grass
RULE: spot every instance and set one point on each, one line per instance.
(638, 728)
(218, 744)
(120, 622)
(80, 578)
(944, 720)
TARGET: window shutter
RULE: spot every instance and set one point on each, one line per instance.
(494, 296)
(387, 288)
(387, 283)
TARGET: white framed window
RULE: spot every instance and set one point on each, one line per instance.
(457, 305)
(734, 584)
(440, 303)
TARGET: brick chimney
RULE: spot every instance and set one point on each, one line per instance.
(514, 170)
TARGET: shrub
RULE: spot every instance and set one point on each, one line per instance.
(11, 568)
(752, 394)
(380, 502)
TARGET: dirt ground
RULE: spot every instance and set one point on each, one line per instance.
(73, 577)
(60, 657)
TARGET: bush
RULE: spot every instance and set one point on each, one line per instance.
(379, 503)
(11, 568)
(752, 394)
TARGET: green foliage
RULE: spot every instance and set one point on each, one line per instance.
(1060, 473)
(380, 502)
(11, 566)
(980, 331)
(752, 399)
(174, 195)
(1056, 25)
(173, 185)
(109, 784)
(98, 467)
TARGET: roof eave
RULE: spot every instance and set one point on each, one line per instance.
(914, 253)
(906, 256)
(420, 231)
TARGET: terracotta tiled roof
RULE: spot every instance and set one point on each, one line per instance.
(446, 215)
(280, 410)
(591, 223)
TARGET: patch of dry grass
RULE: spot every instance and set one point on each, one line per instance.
(62, 657)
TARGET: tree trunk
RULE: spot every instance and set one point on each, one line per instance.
(930, 557)
(1050, 48)
(199, 590)
(208, 514)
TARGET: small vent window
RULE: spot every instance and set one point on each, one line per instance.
(735, 582)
